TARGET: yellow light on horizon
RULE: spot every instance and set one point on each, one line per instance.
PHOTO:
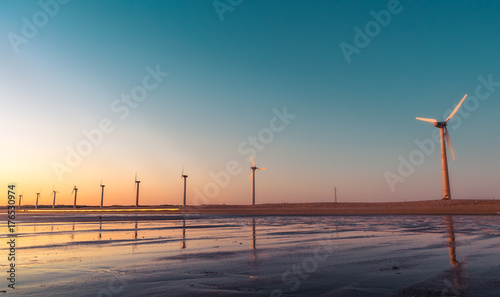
(97, 210)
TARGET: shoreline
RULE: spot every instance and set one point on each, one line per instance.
(428, 207)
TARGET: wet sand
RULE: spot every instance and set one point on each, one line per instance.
(82, 254)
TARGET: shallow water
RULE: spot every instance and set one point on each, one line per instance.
(209, 255)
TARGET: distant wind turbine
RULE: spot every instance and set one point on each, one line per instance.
(137, 182)
(252, 177)
(20, 198)
(37, 195)
(53, 201)
(75, 189)
(102, 193)
(184, 176)
(444, 135)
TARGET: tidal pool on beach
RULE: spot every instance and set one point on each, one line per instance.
(236, 255)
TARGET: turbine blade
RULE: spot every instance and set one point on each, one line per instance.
(427, 120)
(456, 109)
(447, 136)
(261, 168)
(101, 182)
(251, 175)
(136, 176)
(252, 160)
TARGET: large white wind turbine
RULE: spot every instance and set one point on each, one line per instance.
(252, 177)
(444, 135)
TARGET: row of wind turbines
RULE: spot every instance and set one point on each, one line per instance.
(54, 192)
(444, 136)
(136, 189)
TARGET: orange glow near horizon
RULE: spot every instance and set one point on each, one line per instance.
(98, 210)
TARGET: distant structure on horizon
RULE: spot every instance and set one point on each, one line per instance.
(335, 194)
(445, 137)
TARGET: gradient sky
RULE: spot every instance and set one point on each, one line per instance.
(353, 120)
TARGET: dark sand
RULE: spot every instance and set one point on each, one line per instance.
(429, 207)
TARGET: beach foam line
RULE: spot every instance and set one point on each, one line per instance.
(99, 210)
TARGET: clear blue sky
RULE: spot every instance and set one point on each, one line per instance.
(227, 71)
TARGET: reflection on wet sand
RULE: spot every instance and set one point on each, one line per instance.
(254, 249)
(430, 256)
(457, 282)
(183, 233)
(72, 236)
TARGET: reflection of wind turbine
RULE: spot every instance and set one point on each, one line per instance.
(445, 135)
(137, 182)
(253, 233)
(254, 249)
(75, 189)
(183, 233)
(37, 195)
(102, 193)
(458, 281)
(451, 241)
(252, 177)
(53, 201)
(184, 176)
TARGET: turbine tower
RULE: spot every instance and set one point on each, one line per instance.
(53, 201)
(20, 198)
(102, 193)
(137, 182)
(184, 176)
(444, 135)
(37, 195)
(252, 177)
(75, 189)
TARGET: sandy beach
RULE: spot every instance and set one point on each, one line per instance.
(144, 254)
(421, 248)
(428, 207)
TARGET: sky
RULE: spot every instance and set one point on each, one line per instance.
(323, 94)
